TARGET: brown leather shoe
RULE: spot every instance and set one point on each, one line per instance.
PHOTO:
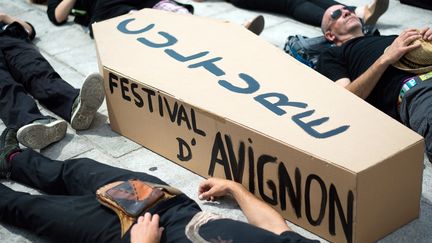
(374, 11)
(256, 25)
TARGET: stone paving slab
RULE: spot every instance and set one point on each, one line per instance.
(71, 52)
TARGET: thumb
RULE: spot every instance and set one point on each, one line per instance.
(204, 195)
(161, 229)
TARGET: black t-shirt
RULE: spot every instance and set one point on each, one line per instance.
(98, 10)
(177, 212)
(354, 57)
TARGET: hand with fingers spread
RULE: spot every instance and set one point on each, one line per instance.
(212, 188)
(147, 229)
(401, 45)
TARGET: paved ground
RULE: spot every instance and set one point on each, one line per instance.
(72, 53)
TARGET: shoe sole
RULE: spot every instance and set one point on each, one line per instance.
(256, 26)
(38, 136)
(92, 95)
(380, 8)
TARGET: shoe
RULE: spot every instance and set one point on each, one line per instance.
(374, 11)
(88, 102)
(256, 25)
(41, 133)
(8, 146)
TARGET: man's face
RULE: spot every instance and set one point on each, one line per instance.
(340, 20)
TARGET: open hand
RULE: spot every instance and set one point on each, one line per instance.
(147, 229)
(401, 45)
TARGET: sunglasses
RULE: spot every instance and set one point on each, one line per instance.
(335, 15)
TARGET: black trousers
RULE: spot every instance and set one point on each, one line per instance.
(26, 75)
(427, 4)
(416, 112)
(70, 212)
(306, 11)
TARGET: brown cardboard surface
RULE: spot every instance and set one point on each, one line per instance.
(203, 113)
(380, 188)
(243, 53)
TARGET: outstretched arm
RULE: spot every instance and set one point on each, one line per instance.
(147, 229)
(7, 19)
(256, 211)
(365, 83)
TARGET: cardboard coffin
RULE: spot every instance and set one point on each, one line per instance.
(220, 101)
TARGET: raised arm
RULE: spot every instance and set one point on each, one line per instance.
(256, 211)
(365, 83)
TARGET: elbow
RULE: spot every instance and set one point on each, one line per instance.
(55, 19)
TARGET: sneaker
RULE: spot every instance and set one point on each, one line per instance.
(8, 146)
(41, 133)
(88, 102)
(256, 25)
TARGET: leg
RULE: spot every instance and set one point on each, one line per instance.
(309, 12)
(60, 218)
(17, 108)
(416, 112)
(274, 6)
(39, 79)
(324, 4)
(425, 4)
(72, 177)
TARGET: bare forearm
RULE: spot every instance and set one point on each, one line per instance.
(365, 83)
(258, 212)
(63, 9)
(9, 19)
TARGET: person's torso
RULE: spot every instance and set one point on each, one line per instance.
(358, 55)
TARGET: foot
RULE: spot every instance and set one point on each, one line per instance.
(256, 25)
(373, 11)
(8, 146)
(88, 102)
(41, 133)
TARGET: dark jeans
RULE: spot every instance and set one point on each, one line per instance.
(24, 72)
(306, 11)
(427, 4)
(416, 112)
(70, 211)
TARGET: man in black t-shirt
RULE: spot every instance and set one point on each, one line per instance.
(26, 76)
(70, 212)
(363, 65)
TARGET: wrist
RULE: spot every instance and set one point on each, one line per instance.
(234, 187)
(384, 62)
